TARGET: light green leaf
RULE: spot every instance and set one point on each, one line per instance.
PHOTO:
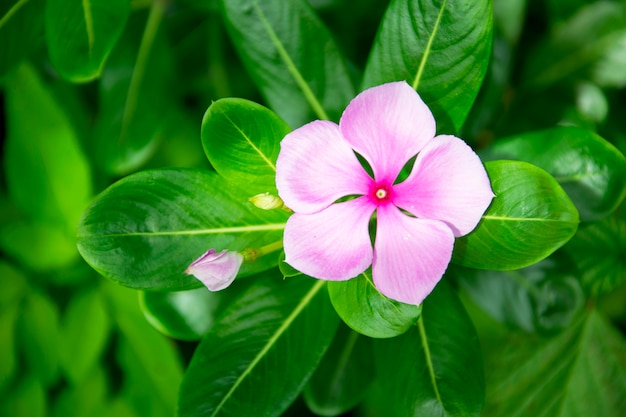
(591, 170)
(441, 48)
(242, 141)
(581, 372)
(530, 217)
(260, 353)
(367, 311)
(147, 228)
(291, 57)
(436, 368)
(80, 35)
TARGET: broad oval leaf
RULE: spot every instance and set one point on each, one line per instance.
(441, 48)
(291, 57)
(436, 368)
(344, 375)
(147, 228)
(591, 170)
(367, 311)
(242, 139)
(530, 217)
(261, 351)
(80, 35)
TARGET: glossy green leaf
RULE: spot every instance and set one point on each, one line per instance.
(591, 170)
(48, 176)
(436, 368)
(183, 315)
(148, 358)
(38, 336)
(441, 48)
(27, 398)
(367, 311)
(541, 298)
(242, 141)
(134, 95)
(80, 35)
(581, 372)
(147, 228)
(577, 44)
(291, 57)
(598, 251)
(530, 217)
(343, 377)
(84, 333)
(21, 31)
(261, 351)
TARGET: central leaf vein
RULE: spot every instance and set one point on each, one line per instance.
(89, 24)
(234, 229)
(252, 145)
(426, 54)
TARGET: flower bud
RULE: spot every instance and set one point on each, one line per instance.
(267, 201)
(216, 270)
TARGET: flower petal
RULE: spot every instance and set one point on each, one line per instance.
(410, 255)
(216, 270)
(448, 183)
(316, 166)
(388, 125)
(333, 244)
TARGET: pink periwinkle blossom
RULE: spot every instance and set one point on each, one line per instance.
(216, 270)
(417, 220)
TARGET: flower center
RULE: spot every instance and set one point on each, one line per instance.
(381, 194)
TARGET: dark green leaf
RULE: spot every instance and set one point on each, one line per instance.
(367, 311)
(441, 48)
(540, 298)
(146, 229)
(84, 333)
(591, 170)
(38, 337)
(27, 398)
(84, 399)
(80, 35)
(12, 285)
(135, 95)
(581, 372)
(530, 217)
(342, 379)
(261, 351)
(291, 57)
(436, 368)
(8, 348)
(598, 252)
(242, 140)
(21, 31)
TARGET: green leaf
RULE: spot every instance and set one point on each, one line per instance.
(183, 315)
(149, 359)
(48, 177)
(80, 35)
(84, 333)
(12, 285)
(598, 251)
(242, 141)
(591, 170)
(147, 228)
(367, 311)
(291, 57)
(436, 368)
(343, 377)
(575, 45)
(84, 399)
(530, 217)
(581, 372)
(441, 48)
(260, 353)
(540, 298)
(134, 95)
(8, 348)
(38, 336)
(27, 398)
(21, 31)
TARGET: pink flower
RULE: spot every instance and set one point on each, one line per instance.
(216, 270)
(443, 197)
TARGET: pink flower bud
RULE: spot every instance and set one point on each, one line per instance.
(216, 270)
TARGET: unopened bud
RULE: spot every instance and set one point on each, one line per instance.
(267, 201)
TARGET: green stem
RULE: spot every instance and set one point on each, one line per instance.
(429, 361)
(11, 12)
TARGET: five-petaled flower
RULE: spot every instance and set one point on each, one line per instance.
(216, 270)
(443, 197)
